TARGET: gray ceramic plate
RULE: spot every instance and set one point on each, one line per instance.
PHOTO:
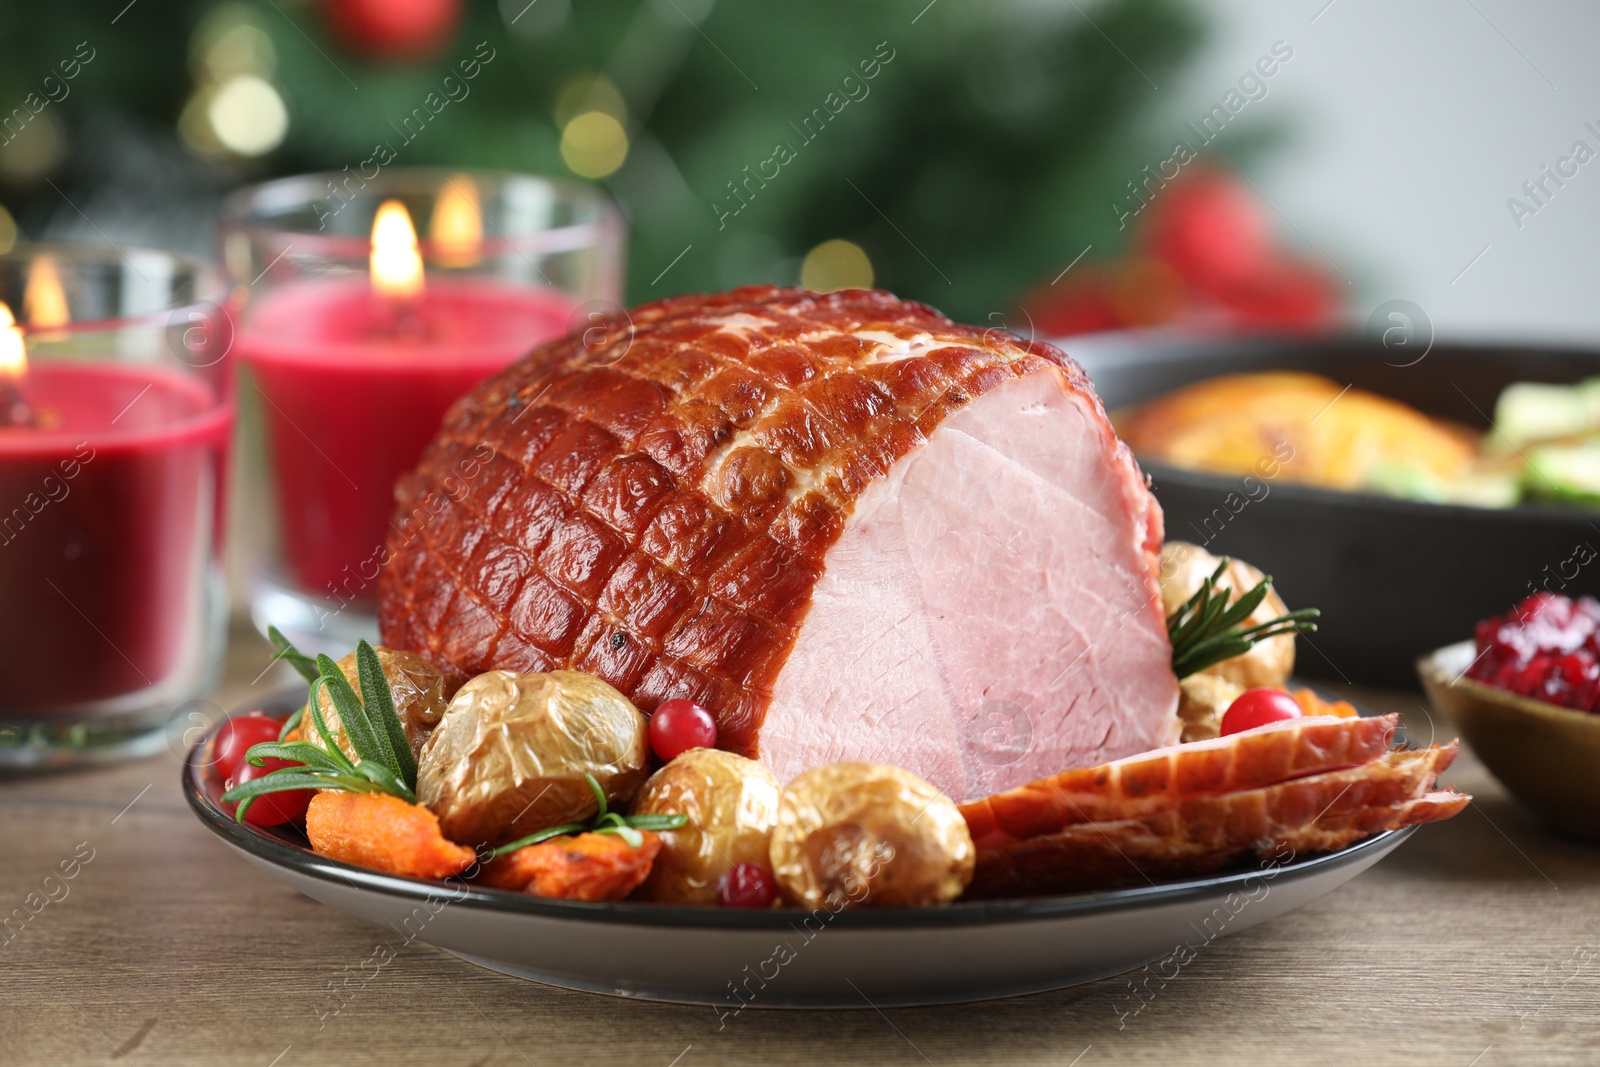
(792, 958)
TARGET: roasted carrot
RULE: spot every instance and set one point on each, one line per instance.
(1312, 704)
(581, 867)
(384, 833)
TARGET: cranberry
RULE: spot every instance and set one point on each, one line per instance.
(679, 725)
(1547, 648)
(272, 809)
(1257, 707)
(235, 737)
(747, 885)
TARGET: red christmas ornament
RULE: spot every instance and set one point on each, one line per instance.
(1204, 256)
(1210, 228)
(392, 29)
(1286, 294)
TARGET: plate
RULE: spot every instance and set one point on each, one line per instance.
(1394, 578)
(791, 958)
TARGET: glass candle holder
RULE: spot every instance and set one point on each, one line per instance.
(369, 306)
(116, 412)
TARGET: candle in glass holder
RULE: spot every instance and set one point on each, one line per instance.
(356, 374)
(108, 481)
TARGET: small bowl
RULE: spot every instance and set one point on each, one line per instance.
(1547, 756)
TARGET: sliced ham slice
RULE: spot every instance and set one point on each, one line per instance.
(847, 526)
(1164, 778)
(1178, 835)
(1268, 794)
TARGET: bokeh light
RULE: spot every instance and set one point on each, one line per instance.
(34, 152)
(248, 116)
(836, 265)
(235, 109)
(594, 144)
(589, 92)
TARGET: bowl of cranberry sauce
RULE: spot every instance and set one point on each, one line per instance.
(1525, 693)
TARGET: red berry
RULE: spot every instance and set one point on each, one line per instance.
(1547, 648)
(235, 737)
(272, 809)
(392, 29)
(1257, 707)
(747, 885)
(679, 725)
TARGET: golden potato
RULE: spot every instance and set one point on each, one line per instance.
(420, 692)
(1202, 701)
(860, 834)
(731, 804)
(1184, 567)
(509, 757)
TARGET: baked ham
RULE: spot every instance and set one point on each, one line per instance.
(849, 527)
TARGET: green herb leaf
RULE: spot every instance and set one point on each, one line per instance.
(291, 655)
(540, 837)
(657, 822)
(384, 762)
(331, 743)
(599, 795)
(386, 780)
(369, 745)
(278, 781)
(627, 833)
(379, 701)
(606, 821)
(1206, 629)
(298, 751)
(291, 722)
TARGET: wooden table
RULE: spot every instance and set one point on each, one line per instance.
(1477, 943)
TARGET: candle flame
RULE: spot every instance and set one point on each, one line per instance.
(457, 228)
(44, 301)
(396, 260)
(13, 353)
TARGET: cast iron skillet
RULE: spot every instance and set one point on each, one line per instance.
(1394, 578)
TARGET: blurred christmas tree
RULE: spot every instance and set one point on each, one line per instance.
(951, 151)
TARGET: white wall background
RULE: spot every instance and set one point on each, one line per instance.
(1410, 124)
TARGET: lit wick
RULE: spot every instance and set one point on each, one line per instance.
(14, 408)
(397, 268)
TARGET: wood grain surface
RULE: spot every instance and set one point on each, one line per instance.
(1476, 944)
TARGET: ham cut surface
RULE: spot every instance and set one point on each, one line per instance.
(847, 526)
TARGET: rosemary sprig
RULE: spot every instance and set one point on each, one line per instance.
(291, 655)
(302, 663)
(384, 762)
(626, 827)
(1206, 630)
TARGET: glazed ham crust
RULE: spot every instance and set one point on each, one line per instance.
(652, 501)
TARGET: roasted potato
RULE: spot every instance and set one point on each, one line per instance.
(1202, 701)
(420, 691)
(509, 757)
(731, 804)
(1184, 567)
(863, 834)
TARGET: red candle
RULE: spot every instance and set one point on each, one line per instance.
(354, 384)
(109, 511)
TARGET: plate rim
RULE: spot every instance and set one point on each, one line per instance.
(267, 848)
